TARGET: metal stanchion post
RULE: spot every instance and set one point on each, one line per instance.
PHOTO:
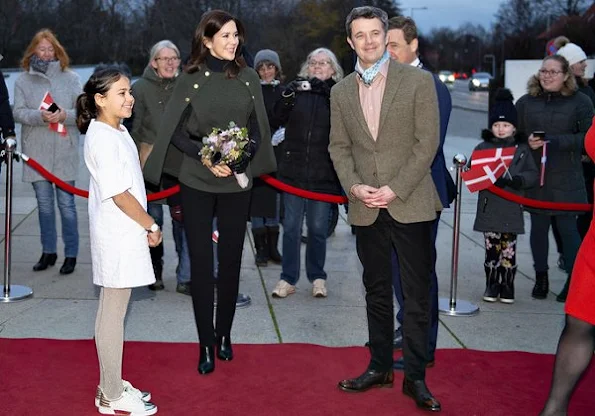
(451, 306)
(10, 293)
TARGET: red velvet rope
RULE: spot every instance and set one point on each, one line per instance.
(534, 203)
(335, 199)
(276, 183)
(85, 194)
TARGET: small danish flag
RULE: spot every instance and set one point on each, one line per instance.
(487, 166)
(45, 104)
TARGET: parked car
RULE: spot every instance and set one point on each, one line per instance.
(479, 81)
(448, 77)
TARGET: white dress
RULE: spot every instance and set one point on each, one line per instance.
(119, 245)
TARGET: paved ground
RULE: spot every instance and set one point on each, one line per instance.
(64, 307)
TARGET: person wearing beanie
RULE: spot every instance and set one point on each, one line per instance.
(577, 59)
(266, 200)
(268, 56)
(498, 219)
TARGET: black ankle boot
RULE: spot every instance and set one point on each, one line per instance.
(273, 241)
(47, 259)
(260, 243)
(224, 350)
(542, 286)
(68, 266)
(492, 285)
(206, 362)
(564, 293)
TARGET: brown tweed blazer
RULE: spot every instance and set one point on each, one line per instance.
(401, 156)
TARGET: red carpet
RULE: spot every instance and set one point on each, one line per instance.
(52, 377)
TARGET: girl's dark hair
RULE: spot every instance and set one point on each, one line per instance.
(211, 23)
(99, 83)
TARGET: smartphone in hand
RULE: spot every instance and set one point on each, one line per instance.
(53, 108)
(539, 134)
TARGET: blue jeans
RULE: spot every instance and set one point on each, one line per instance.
(317, 218)
(183, 268)
(433, 334)
(44, 192)
(261, 222)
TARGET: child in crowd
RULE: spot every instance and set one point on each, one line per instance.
(121, 231)
(499, 219)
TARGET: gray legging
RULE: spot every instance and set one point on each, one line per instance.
(571, 240)
(109, 339)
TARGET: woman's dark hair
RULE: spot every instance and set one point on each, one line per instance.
(211, 23)
(99, 83)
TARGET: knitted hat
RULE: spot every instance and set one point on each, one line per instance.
(572, 52)
(267, 55)
(503, 109)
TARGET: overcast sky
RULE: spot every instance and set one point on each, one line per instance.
(451, 13)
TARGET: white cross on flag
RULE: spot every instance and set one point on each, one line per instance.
(487, 166)
(45, 105)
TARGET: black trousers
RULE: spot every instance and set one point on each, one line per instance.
(231, 209)
(413, 245)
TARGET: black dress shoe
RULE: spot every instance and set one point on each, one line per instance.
(418, 391)
(397, 340)
(366, 381)
(68, 266)
(224, 350)
(47, 259)
(399, 364)
(206, 362)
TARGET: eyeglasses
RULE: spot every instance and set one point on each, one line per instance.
(545, 72)
(168, 60)
(318, 63)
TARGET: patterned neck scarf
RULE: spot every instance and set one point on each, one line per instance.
(369, 74)
(39, 64)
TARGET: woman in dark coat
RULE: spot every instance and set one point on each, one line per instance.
(553, 106)
(265, 202)
(304, 109)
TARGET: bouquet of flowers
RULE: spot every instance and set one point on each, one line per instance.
(225, 147)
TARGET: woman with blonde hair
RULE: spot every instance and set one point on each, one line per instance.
(555, 115)
(49, 136)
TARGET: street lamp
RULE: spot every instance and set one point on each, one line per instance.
(416, 8)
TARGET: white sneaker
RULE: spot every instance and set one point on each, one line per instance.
(319, 288)
(283, 289)
(145, 396)
(128, 404)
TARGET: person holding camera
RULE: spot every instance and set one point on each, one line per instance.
(51, 138)
(556, 117)
(304, 109)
